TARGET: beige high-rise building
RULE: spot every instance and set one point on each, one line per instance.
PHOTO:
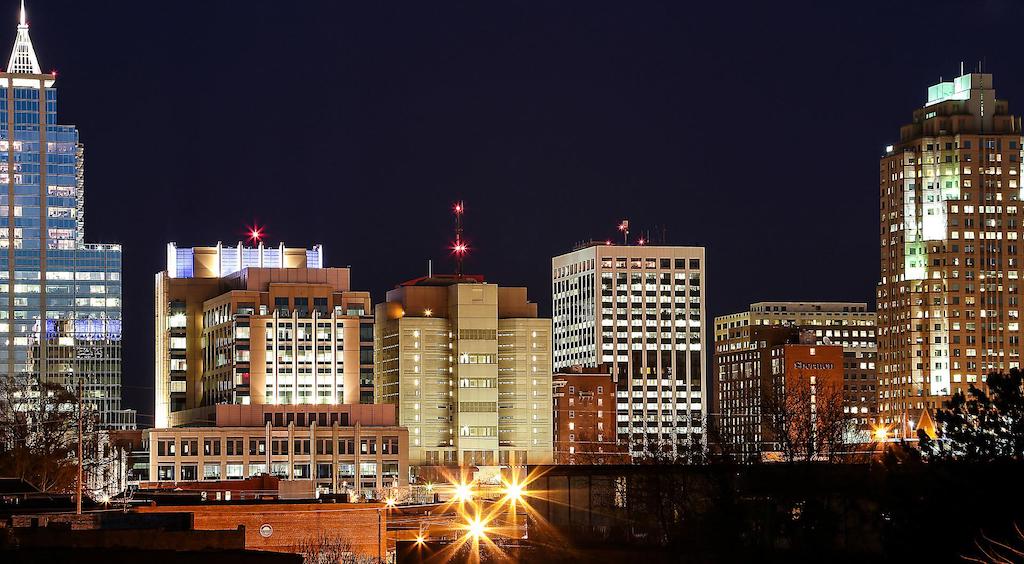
(950, 214)
(469, 366)
(257, 325)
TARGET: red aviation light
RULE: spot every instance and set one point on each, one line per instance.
(255, 234)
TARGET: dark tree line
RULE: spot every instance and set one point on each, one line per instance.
(983, 425)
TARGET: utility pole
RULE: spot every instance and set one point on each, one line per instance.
(78, 497)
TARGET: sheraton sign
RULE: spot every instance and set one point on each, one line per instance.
(813, 365)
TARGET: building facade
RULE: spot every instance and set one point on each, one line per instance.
(257, 325)
(342, 448)
(639, 309)
(949, 288)
(771, 393)
(848, 324)
(60, 314)
(583, 410)
(468, 365)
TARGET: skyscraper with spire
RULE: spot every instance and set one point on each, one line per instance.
(60, 298)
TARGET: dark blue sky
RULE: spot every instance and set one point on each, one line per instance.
(752, 129)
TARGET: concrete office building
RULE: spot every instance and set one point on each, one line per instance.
(950, 221)
(342, 448)
(468, 365)
(257, 325)
(639, 309)
(848, 324)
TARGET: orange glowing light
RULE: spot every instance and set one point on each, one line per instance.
(514, 491)
(463, 492)
(881, 433)
(476, 527)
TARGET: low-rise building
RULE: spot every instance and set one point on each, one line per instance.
(355, 448)
(583, 410)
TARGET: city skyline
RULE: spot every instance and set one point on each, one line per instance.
(510, 281)
(557, 143)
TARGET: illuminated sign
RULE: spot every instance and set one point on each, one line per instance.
(813, 365)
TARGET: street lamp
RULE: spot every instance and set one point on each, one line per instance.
(881, 433)
(463, 492)
(514, 491)
(476, 528)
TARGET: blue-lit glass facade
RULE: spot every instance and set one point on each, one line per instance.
(60, 298)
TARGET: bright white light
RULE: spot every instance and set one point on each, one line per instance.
(514, 491)
(476, 527)
(463, 492)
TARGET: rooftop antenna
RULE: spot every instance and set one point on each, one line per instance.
(459, 248)
(961, 68)
(624, 228)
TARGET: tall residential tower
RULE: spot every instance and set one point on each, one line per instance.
(640, 310)
(60, 297)
(949, 290)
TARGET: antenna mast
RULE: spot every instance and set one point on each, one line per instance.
(459, 248)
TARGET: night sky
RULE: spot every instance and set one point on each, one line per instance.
(752, 130)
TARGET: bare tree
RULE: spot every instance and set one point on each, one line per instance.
(590, 450)
(39, 433)
(805, 420)
(327, 548)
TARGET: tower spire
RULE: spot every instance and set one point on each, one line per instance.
(23, 56)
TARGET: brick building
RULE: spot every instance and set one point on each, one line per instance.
(782, 381)
(281, 527)
(850, 324)
(583, 408)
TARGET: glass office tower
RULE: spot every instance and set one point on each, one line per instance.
(60, 298)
